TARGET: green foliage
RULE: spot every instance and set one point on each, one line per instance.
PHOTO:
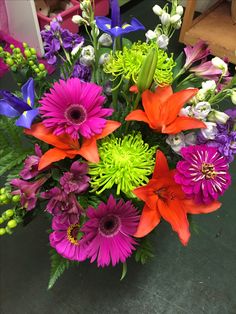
(13, 149)
(58, 266)
(89, 200)
(124, 270)
(144, 252)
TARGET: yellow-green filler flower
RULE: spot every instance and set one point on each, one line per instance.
(127, 63)
(125, 162)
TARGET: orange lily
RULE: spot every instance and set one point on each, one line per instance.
(161, 110)
(164, 198)
(65, 146)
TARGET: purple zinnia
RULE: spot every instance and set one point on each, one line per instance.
(60, 202)
(76, 180)
(74, 107)
(203, 173)
(109, 231)
(64, 238)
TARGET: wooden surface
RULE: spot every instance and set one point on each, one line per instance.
(216, 27)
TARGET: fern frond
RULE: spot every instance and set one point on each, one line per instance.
(58, 266)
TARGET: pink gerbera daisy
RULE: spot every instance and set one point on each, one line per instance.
(74, 107)
(64, 238)
(109, 231)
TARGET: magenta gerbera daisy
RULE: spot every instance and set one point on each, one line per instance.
(109, 231)
(74, 107)
(203, 173)
(64, 238)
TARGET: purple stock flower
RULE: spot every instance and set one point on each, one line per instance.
(31, 163)
(71, 40)
(196, 52)
(83, 72)
(203, 173)
(113, 26)
(28, 191)
(76, 180)
(12, 106)
(60, 202)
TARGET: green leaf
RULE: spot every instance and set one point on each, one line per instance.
(179, 64)
(124, 270)
(144, 252)
(88, 200)
(58, 266)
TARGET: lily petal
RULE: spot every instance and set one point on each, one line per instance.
(161, 166)
(110, 127)
(150, 218)
(53, 155)
(137, 115)
(192, 208)
(164, 92)
(182, 124)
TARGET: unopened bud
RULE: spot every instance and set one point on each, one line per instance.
(175, 18)
(218, 116)
(157, 10)
(105, 40)
(165, 18)
(179, 10)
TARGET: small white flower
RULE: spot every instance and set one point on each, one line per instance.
(87, 55)
(178, 24)
(165, 18)
(233, 97)
(220, 64)
(76, 49)
(162, 41)
(176, 142)
(210, 132)
(180, 10)
(186, 112)
(157, 10)
(175, 18)
(105, 40)
(218, 116)
(190, 138)
(201, 110)
(209, 85)
(150, 35)
(77, 19)
(104, 58)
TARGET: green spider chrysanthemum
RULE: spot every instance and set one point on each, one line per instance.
(127, 63)
(125, 162)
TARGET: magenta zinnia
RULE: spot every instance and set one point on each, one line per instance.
(203, 173)
(74, 107)
(64, 238)
(109, 231)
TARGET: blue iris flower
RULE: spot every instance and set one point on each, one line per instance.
(113, 26)
(12, 106)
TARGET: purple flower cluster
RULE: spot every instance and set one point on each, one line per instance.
(56, 37)
(225, 137)
(83, 72)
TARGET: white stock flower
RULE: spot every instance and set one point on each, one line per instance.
(190, 138)
(87, 55)
(76, 49)
(209, 85)
(186, 112)
(220, 64)
(210, 131)
(233, 97)
(176, 141)
(165, 18)
(218, 116)
(157, 10)
(179, 10)
(150, 35)
(105, 40)
(175, 18)
(104, 58)
(201, 110)
(162, 41)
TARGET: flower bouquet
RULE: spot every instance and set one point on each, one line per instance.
(126, 135)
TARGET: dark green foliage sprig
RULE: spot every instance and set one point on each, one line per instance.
(144, 251)
(58, 266)
(13, 149)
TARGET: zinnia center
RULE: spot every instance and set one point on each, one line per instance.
(72, 233)
(208, 170)
(75, 114)
(109, 225)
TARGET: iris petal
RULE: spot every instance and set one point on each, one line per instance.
(27, 118)
(7, 110)
(28, 92)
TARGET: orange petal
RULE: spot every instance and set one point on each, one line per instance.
(89, 150)
(174, 103)
(161, 166)
(192, 208)
(149, 220)
(146, 194)
(182, 124)
(174, 213)
(134, 89)
(53, 155)
(137, 115)
(152, 107)
(110, 127)
(164, 92)
(44, 134)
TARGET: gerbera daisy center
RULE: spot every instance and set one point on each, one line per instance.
(109, 225)
(208, 170)
(72, 233)
(75, 114)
